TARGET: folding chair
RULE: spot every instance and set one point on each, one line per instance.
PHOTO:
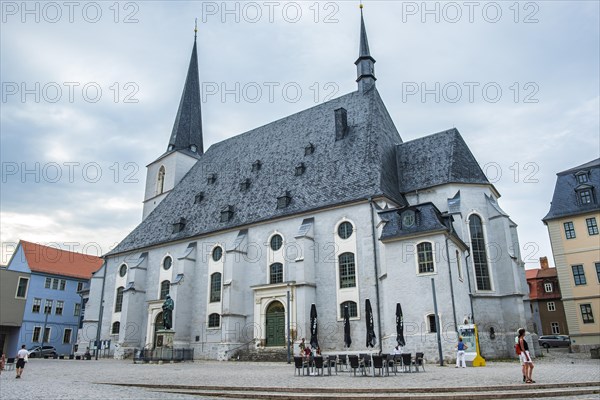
(406, 362)
(299, 364)
(318, 364)
(354, 363)
(331, 362)
(419, 362)
(378, 364)
(10, 364)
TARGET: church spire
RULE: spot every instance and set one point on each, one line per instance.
(365, 64)
(187, 129)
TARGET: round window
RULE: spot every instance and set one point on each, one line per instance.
(217, 253)
(276, 242)
(122, 270)
(345, 230)
(167, 263)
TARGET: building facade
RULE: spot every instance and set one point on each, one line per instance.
(545, 300)
(52, 309)
(328, 207)
(572, 224)
(14, 286)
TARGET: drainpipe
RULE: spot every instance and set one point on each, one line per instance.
(376, 275)
(451, 286)
(467, 267)
(99, 328)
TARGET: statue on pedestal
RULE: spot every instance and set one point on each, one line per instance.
(167, 307)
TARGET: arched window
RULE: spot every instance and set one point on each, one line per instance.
(352, 309)
(165, 287)
(431, 326)
(215, 287)
(425, 254)
(214, 320)
(160, 187)
(116, 327)
(119, 299)
(276, 273)
(347, 270)
(482, 273)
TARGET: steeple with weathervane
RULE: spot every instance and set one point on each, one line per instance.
(365, 64)
(185, 144)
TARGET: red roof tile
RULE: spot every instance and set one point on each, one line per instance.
(51, 260)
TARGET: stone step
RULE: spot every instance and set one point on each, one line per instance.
(301, 394)
(521, 391)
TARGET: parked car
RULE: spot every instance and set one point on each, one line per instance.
(548, 341)
(36, 351)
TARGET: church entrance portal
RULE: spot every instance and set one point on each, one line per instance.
(275, 324)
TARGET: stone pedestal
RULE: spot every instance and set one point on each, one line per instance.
(164, 338)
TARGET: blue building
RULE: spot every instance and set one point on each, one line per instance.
(53, 300)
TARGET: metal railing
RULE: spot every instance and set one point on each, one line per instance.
(163, 354)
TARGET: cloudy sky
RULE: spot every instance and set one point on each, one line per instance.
(90, 91)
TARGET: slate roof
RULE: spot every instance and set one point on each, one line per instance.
(437, 159)
(187, 129)
(55, 261)
(359, 166)
(565, 201)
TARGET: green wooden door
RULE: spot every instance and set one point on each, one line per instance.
(275, 324)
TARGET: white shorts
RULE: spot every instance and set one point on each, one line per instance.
(524, 357)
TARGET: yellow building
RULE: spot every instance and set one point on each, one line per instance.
(573, 228)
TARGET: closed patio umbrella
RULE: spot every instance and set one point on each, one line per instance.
(399, 326)
(314, 342)
(347, 338)
(371, 338)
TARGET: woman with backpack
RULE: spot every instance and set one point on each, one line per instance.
(523, 350)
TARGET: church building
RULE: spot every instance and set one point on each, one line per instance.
(327, 206)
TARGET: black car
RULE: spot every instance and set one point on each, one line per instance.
(548, 341)
(36, 351)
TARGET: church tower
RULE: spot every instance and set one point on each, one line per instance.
(185, 144)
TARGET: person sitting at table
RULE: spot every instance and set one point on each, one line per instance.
(307, 352)
(318, 352)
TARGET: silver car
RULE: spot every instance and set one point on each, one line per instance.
(548, 341)
(36, 351)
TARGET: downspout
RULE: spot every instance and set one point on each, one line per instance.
(376, 275)
(451, 286)
(98, 330)
(467, 267)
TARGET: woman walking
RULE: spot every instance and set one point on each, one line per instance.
(525, 357)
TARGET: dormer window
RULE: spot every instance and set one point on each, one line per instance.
(284, 201)
(245, 185)
(212, 178)
(300, 169)
(227, 214)
(193, 148)
(585, 196)
(179, 226)
(199, 197)
(408, 219)
(308, 150)
(582, 177)
(256, 165)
